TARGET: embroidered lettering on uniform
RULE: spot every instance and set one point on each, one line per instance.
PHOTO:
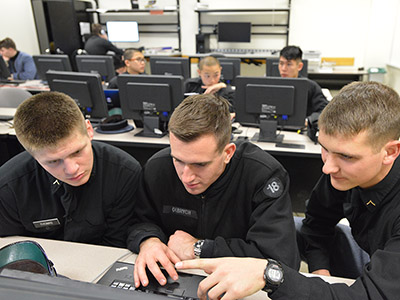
(273, 188)
(167, 209)
(46, 223)
(370, 202)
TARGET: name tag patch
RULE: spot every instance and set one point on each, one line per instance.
(184, 212)
(274, 188)
(46, 223)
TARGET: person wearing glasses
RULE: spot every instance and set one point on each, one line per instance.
(135, 63)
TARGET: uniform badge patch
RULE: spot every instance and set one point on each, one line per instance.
(274, 188)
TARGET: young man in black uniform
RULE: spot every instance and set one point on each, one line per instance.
(290, 64)
(207, 197)
(209, 81)
(65, 186)
(359, 136)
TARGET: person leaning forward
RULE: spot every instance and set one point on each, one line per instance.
(207, 197)
(65, 186)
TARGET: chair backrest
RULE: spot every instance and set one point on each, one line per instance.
(12, 97)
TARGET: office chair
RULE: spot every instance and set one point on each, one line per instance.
(12, 97)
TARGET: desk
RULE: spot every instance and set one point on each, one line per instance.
(89, 262)
(336, 78)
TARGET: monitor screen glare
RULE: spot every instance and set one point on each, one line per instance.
(123, 31)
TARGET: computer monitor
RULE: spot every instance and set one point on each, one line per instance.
(273, 67)
(269, 102)
(4, 71)
(151, 98)
(170, 66)
(55, 62)
(239, 32)
(230, 69)
(101, 64)
(123, 31)
(84, 88)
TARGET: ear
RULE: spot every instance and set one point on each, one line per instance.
(229, 150)
(199, 72)
(300, 66)
(392, 151)
(89, 129)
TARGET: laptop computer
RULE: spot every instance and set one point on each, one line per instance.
(120, 275)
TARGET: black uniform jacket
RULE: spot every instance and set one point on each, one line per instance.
(316, 99)
(374, 217)
(96, 45)
(194, 85)
(245, 212)
(32, 202)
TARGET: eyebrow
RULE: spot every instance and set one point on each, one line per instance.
(80, 149)
(191, 163)
(340, 153)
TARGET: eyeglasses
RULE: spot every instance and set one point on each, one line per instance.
(139, 60)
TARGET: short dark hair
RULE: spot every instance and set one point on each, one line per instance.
(198, 115)
(45, 119)
(363, 106)
(8, 43)
(208, 61)
(128, 53)
(97, 29)
(291, 52)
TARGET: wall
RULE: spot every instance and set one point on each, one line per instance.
(364, 29)
(16, 22)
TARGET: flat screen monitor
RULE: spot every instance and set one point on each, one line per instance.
(230, 69)
(84, 88)
(101, 64)
(4, 71)
(269, 102)
(239, 32)
(55, 62)
(123, 31)
(150, 98)
(170, 66)
(273, 67)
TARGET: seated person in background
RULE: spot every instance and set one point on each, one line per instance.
(290, 65)
(210, 82)
(135, 64)
(207, 197)
(98, 44)
(359, 135)
(21, 64)
(65, 186)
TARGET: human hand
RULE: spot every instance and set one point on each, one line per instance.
(181, 243)
(213, 88)
(323, 272)
(151, 252)
(232, 277)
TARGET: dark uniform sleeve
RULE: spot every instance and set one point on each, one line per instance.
(323, 212)
(316, 99)
(9, 218)
(120, 217)
(271, 232)
(229, 94)
(379, 280)
(110, 47)
(144, 221)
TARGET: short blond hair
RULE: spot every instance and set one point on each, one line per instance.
(363, 106)
(45, 119)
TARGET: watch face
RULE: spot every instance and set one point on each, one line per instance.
(275, 274)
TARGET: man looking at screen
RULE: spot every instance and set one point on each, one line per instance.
(135, 64)
(290, 64)
(207, 197)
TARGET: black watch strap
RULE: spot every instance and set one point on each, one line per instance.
(273, 276)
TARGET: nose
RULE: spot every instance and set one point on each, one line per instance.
(330, 165)
(70, 166)
(187, 174)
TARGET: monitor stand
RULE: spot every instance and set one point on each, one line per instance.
(268, 132)
(151, 127)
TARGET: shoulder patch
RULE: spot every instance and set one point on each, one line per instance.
(274, 188)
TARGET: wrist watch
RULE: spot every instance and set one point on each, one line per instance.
(273, 276)
(197, 247)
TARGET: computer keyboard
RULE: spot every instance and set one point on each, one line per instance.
(245, 51)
